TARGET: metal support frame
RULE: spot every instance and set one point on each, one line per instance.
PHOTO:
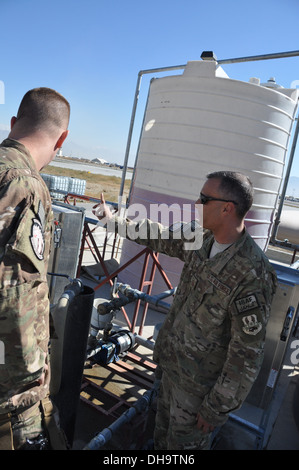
(87, 238)
(273, 239)
(143, 282)
(112, 411)
(134, 375)
(126, 371)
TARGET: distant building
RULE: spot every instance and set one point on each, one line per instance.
(99, 160)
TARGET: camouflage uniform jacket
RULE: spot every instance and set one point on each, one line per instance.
(25, 235)
(211, 343)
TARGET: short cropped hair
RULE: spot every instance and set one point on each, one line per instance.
(43, 108)
(237, 187)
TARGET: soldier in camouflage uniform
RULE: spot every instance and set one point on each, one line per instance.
(210, 348)
(37, 133)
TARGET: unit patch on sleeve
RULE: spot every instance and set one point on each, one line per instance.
(37, 239)
(246, 303)
(251, 325)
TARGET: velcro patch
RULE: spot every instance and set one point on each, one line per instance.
(41, 214)
(37, 239)
(218, 284)
(246, 303)
(251, 325)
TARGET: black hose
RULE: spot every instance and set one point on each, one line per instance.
(73, 358)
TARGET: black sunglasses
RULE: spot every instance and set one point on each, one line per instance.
(204, 199)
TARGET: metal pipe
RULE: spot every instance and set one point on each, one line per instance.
(130, 134)
(277, 55)
(144, 342)
(151, 299)
(138, 339)
(283, 193)
(142, 405)
(258, 431)
(135, 102)
(137, 152)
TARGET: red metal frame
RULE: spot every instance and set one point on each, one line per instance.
(122, 368)
(87, 238)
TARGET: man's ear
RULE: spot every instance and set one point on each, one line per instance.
(229, 207)
(12, 122)
(61, 140)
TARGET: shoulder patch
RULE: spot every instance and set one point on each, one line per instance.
(251, 325)
(37, 239)
(246, 303)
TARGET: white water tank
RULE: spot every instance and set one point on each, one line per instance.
(203, 121)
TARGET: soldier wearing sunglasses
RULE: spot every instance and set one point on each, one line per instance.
(210, 348)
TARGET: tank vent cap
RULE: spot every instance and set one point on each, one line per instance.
(271, 83)
(208, 55)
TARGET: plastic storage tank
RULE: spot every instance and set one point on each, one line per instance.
(203, 121)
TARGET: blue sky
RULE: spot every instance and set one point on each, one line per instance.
(91, 51)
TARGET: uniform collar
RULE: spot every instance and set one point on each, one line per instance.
(22, 149)
(218, 262)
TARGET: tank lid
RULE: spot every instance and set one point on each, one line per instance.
(208, 55)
